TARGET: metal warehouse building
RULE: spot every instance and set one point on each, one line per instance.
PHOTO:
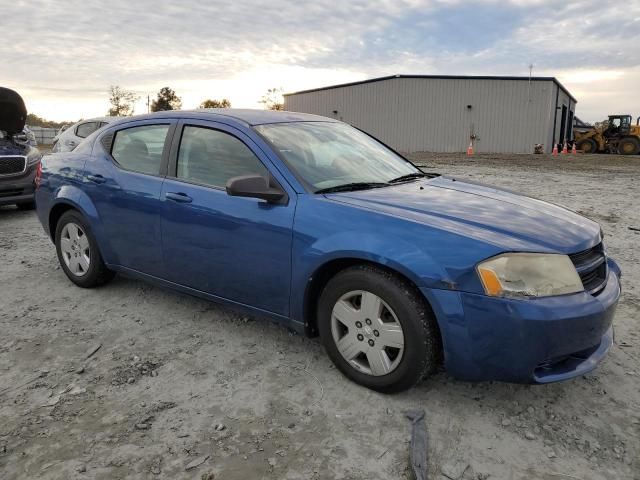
(442, 113)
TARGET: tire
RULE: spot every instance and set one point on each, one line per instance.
(26, 206)
(587, 146)
(629, 146)
(400, 305)
(79, 255)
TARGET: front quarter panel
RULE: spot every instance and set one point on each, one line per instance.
(325, 230)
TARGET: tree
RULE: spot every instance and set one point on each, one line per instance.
(36, 121)
(211, 103)
(122, 101)
(273, 99)
(166, 100)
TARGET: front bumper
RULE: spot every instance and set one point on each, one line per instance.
(18, 189)
(525, 341)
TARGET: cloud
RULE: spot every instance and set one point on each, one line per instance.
(72, 53)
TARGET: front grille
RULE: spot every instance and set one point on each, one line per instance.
(591, 265)
(10, 165)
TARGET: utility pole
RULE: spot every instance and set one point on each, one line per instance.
(530, 75)
(148, 104)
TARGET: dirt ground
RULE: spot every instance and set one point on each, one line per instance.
(181, 388)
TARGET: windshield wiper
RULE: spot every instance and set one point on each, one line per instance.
(407, 177)
(351, 187)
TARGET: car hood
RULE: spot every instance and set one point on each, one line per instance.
(10, 148)
(506, 219)
(13, 113)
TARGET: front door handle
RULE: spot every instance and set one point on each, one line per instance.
(96, 178)
(178, 197)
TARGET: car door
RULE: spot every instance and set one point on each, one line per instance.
(124, 180)
(233, 247)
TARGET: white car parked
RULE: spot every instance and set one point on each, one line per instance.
(70, 138)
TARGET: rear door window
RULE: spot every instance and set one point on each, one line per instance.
(140, 148)
(85, 129)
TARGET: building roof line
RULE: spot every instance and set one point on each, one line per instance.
(443, 77)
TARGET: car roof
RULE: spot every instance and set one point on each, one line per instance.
(98, 119)
(248, 116)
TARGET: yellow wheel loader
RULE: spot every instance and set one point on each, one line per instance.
(616, 135)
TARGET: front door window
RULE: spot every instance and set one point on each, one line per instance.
(211, 157)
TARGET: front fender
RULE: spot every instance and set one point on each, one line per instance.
(325, 231)
(391, 251)
(399, 255)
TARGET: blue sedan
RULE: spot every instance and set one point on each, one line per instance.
(321, 227)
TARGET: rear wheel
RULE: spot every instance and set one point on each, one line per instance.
(587, 146)
(629, 146)
(78, 252)
(377, 329)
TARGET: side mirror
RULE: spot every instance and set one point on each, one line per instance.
(255, 186)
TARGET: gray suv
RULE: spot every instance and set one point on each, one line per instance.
(19, 161)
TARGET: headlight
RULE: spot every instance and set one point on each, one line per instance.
(529, 275)
(33, 159)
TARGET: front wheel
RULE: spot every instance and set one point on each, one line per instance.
(629, 146)
(78, 252)
(377, 329)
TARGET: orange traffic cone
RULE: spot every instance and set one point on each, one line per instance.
(554, 152)
(574, 150)
(470, 149)
(564, 149)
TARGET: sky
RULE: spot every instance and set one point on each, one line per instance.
(62, 56)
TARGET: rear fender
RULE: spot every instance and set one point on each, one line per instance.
(74, 197)
(584, 135)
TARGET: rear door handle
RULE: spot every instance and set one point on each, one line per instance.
(96, 178)
(178, 197)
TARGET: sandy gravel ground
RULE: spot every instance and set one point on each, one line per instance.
(180, 388)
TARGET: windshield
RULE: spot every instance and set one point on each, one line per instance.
(327, 154)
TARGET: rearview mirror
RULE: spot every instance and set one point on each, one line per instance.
(255, 186)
